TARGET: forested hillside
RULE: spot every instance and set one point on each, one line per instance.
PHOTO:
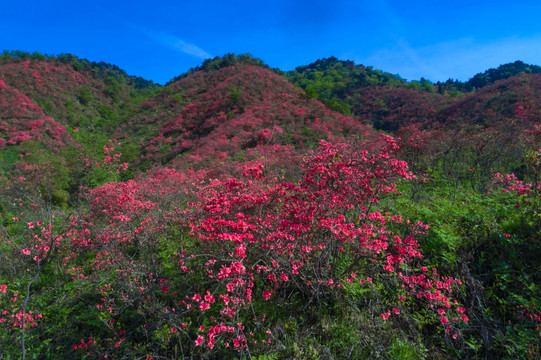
(333, 211)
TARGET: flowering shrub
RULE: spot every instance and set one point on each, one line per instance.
(178, 262)
(21, 119)
(262, 241)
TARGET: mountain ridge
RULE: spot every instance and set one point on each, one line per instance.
(233, 100)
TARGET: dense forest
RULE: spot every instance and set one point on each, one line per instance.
(332, 211)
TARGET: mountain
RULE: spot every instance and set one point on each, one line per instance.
(382, 99)
(71, 90)
(237, 111)
(63, 108)
(513, 97)
(388, 102)
(504, 71)
(234, 108)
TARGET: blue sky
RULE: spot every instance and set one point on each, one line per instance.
(161, 39)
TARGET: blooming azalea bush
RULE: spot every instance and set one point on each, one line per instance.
(29, 237)
(262, 241)
(175, 262)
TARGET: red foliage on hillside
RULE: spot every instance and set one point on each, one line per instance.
(390, 108)
(240, 110)
(21, 119)
(44, 82)
(517, 97)
(83, 98)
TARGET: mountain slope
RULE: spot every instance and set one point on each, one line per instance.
(21, 119)
(237, 111)
(514, 97)
(66, 109)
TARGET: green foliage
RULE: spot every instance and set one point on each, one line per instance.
(426, 85)
(108, 115)
(23, 55)
(105, 70)
(488, 241)
(501, 72)
(235, 95)
(85, 95)
(273, 356)
(340, 106)
(8, 157)
(114, 88)
(60, 198)
(311, 92)
(218, 63)
(179, 99)
(334, 81)
(405, 350)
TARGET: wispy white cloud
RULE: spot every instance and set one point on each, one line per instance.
(459, 59)
(163, 38)
(173, 42)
